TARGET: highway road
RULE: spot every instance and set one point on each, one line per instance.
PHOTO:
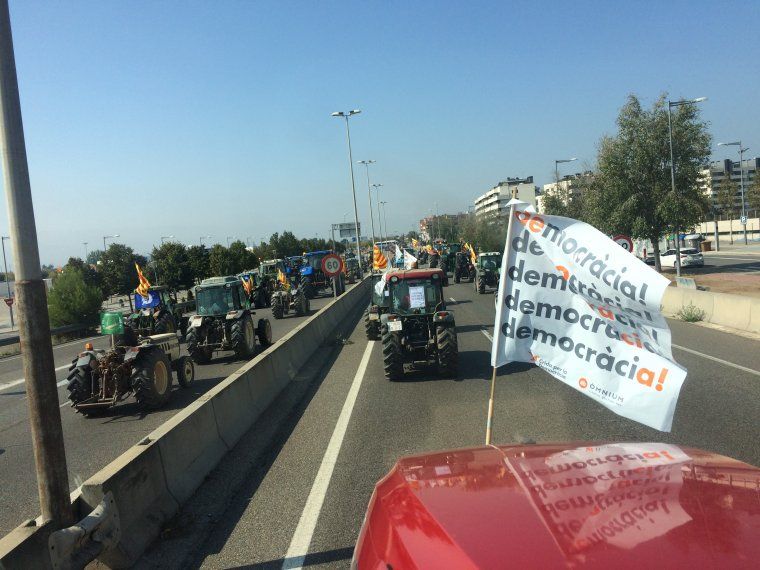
(308, 494)
(91, 443)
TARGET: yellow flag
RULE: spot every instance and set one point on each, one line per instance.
(282, 279)
(415, 243)
(247, 284)
(379, 261)
(144, 285)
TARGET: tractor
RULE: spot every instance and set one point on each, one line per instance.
(417, 328)
(157, 313)
(314, 280)
(379, 304)
(487, 271)
(100, 379)
(261, 288)
(290, 297)
(224, 321)
(463, 268)
(271, 267)
(351, 270)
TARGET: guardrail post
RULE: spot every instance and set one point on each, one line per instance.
(34, 326)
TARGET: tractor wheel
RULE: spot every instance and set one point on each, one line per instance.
(80, 385)
(301, 303)
(393, 360)
(308, 289)
(448, 351)
(129, 338)
(481, 285)
(152, 379)
(165, 324)
(243, 337)
(264, 332)
(456, 277)
(372, 328)
(185, 371)
(278, 309)
(200, 354)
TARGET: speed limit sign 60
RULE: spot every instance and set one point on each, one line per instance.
(332, 264)
(624, 241)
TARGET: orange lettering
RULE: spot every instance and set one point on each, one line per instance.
(536, 225)
(645, 376)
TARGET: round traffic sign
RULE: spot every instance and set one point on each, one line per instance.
(624, 241)
(743, 220)
(332, 264)
(8, 301)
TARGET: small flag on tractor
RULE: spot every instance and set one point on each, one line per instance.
(379, 261)
(473, 256)
(111, 323)
(144, 285)
(415, 243)
(282, 280)
(247, 284)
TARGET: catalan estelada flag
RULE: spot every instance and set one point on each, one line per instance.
(247, 284)
(144, 285)
(282, 280)
(379, 261)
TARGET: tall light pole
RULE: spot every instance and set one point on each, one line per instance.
(377, 199)
(7, 282)
(385, 219)
(556, 168)
(366, 163)
(86, 253)
(742, 150)
(108, 237)
(346, 115)
(202, 238)
(165, 237)
(672, 104)
(31, 296)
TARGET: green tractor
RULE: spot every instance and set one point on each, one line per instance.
(224, 321)
(378, 305)
(158, 313)
(417, 327)
(261, 288)
(487, 270)
(290, 298)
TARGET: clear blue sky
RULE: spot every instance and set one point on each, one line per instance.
(193, 118)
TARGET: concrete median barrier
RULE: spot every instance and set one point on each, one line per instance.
(152, 479)
(732, 311)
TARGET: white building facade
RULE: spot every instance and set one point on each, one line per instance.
(494, 202)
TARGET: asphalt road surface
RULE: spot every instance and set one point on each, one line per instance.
(309, 494)
(91, 443)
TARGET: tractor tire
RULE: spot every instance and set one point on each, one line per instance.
(152, 379)
(129, 338)
(165, 324)
(264, 333)
(372, 328)
(185, 371)
(481, 285)
(80, 386)
(243, 337)
(300, 303)
(200, 354)
(278, 308)
(448, 351)
(308, 289)
(456, 277)
(393, 359)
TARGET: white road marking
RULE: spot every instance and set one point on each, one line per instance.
(299, 544)
(452, 299)
(81, 340)
(488, 335)
(716, 359)
(22, 380)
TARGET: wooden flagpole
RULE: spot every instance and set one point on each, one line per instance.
(507, 246)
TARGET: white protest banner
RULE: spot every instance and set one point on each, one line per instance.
(575, 303)
(620, 494)
(410, 262)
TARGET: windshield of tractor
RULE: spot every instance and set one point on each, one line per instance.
(315, 261)
(214, 301)
(491, 262)
(415, 296)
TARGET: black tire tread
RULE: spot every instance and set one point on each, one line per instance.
(448, 351)
(393, 360)
(142, 380)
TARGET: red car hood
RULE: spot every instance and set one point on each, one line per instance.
(617, 505)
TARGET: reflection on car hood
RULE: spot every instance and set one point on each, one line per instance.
(617, 505)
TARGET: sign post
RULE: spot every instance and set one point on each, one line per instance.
(332, 265)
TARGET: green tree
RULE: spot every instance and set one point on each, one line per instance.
(90, 275)
(198, 260)
(726, 202)
(172, 264)
(220, 261)
(94, 256)
(117, 267)
(72, 300)
(633, 194)
(240, 258)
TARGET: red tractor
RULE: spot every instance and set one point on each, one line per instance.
(417, 328)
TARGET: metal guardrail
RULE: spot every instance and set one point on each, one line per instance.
(11, 340)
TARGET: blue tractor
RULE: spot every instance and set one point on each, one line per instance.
(313, 279)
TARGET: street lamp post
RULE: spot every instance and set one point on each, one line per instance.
(108, 237)
(84, 243)
(672, 104)
(556, 168)
(742, 150)
(377, 199)
(165, 237)
(346, 115)
(385, 220)
(7, 282)
(366, 163)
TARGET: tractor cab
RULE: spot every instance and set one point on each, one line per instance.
(416, 292)
(217, 296)
(270, 267)
(154, 313)
(487, 270)
(489, 261)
